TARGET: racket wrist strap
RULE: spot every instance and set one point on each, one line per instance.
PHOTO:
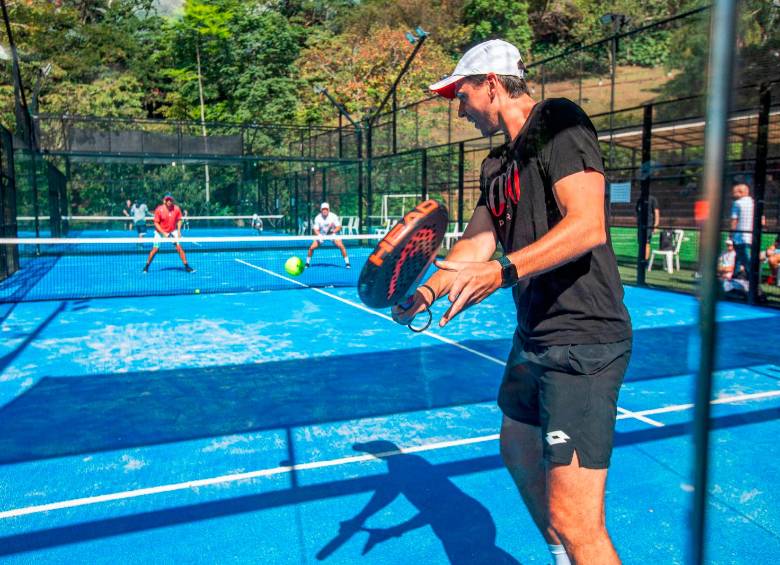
(433, 293)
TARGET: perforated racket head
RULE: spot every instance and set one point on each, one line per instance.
(402, 257)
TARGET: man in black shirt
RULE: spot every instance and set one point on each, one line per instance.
(543, 201)
(653, 220)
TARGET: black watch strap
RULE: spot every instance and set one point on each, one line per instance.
(508, 272)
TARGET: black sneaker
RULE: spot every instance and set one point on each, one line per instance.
(189, 269)
(146, 269)
(348, 266)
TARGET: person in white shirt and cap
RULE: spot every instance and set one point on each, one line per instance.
(327, 223)
(543, 200)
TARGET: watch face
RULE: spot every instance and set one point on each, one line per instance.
(508, 272)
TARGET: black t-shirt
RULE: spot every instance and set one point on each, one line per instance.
(652, 206)
(581, 301)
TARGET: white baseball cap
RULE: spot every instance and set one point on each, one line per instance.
(324, 205)
(494, 56)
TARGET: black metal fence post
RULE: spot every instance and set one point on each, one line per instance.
(719, 91)
(341, 137)
(461, 181)
(762, 151)
(359, 134)
(369, 174)
(9, 254)
(395, 124)
(645, 176)
(296, 205)
(424, 173)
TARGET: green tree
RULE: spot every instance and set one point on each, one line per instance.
(359, 70)
(499, 19)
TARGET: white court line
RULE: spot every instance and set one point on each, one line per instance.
(724, 400)
(374, 312)
(77, 502)
(236, 477)
(629, 414)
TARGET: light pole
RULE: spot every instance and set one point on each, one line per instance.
(617, 21)
(417, 39)
(359, 141)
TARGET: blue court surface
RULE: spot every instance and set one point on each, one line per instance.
(246, 428)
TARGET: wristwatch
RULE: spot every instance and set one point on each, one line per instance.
(508, 272)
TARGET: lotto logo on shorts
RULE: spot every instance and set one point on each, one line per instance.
(556, 437)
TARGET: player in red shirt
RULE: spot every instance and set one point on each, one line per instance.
(167, 223)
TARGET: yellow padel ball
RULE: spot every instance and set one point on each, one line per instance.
(294, 266)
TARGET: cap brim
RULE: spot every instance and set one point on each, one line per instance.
(448, 87)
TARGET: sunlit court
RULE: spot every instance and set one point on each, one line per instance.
(250, 426)
(389, 282)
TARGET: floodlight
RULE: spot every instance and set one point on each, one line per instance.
(410, 37)
(422, 33)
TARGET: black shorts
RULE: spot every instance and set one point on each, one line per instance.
(570, 392)
(140, 227)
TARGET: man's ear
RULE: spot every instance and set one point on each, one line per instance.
(492, 81)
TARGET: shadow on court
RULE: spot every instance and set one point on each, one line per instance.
(421, 471)
(480, 530)
(468, 535)
(9, 357)
(17, 286)
(92, 413)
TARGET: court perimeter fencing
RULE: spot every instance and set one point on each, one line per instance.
(643, 88)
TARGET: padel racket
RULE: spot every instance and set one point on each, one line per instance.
(398, 262)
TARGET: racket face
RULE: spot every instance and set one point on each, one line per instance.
(402, 257)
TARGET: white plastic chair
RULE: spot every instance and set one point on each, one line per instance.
(670, 256)
(389, 223)
(352, 226)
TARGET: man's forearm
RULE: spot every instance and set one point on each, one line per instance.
(570, 239)
(464, 250)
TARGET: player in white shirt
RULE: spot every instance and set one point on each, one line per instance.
(742, 227)
(326, 223)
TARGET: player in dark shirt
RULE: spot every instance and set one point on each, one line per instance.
(542, 199)
(652, 221)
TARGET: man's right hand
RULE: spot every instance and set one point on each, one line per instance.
(419, 304)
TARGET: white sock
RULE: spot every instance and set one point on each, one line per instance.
(558, 554)
(346, 260)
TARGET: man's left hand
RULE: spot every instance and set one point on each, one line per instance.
(474, 281)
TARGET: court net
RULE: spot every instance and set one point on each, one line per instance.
(97, 226)
(76, 268)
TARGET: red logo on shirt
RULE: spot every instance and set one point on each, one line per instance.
(504, 188)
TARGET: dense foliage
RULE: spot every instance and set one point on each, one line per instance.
(259, 60)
